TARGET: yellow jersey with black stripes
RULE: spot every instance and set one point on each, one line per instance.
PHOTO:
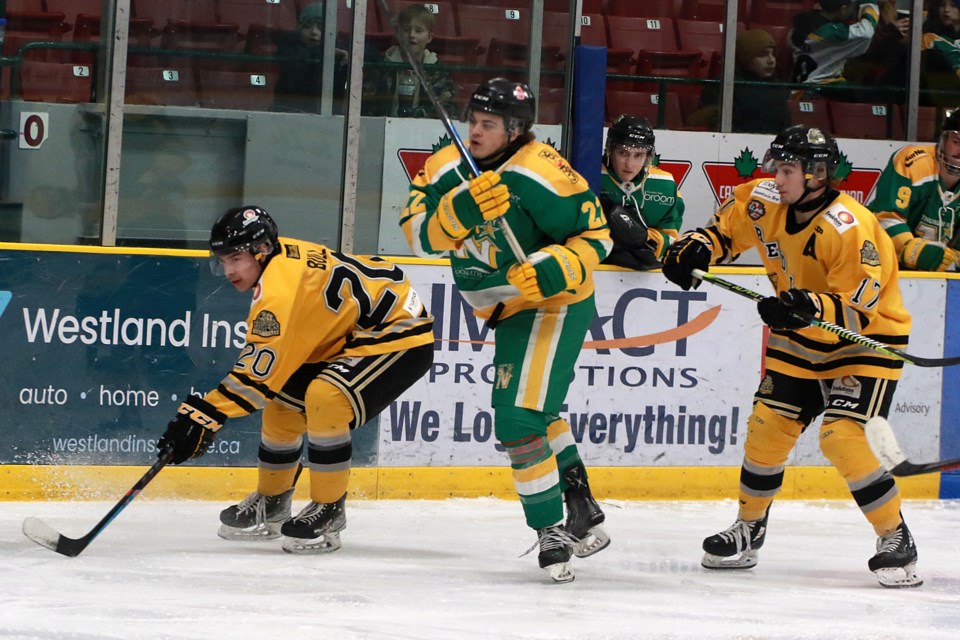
(314, 304)
(843, 255)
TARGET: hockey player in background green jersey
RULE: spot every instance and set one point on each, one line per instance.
(642, 202)
(916, 201)
(541, 308)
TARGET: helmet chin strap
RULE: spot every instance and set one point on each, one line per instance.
(802, 206)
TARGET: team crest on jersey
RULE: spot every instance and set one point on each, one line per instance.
(869, 254)
(766, 386)
(504, 375)
(265, 325)
(293, 251)
(755, 209)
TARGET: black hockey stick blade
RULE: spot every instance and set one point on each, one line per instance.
(44, 535)
(843, 332)
(883, 443)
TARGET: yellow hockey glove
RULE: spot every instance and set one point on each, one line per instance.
(471, 204)
(547, 272)
(925, 255)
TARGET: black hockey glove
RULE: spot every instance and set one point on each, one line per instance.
(691, 251)
(779, 312)
(192, 430)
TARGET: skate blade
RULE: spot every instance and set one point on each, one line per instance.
(560, 572)
(746, 560)
(899, 577)
(327, 543)
(269, 531)
(595, 540)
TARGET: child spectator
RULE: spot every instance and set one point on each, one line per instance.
(756, 108)
(403, 95)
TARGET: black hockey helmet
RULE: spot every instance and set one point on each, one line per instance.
(951, 124)
(814, 148)
(512, 100)
(631, 131)
(247, 228)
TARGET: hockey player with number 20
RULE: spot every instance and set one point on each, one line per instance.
(827, 257)
(332, 340)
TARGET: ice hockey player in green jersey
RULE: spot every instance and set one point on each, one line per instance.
(917, 201)
(644, 208)
(541, 308)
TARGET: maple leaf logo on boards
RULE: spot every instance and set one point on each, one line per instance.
(745, 164)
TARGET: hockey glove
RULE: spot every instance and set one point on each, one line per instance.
(547, 272)
(778, 313)
(473, 203)
(927, 256)
(693, 250)
(192, 430)
(628, 231)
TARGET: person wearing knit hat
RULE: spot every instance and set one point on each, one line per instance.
(311, 13)
(759, 106)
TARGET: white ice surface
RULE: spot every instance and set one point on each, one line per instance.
(451, 570)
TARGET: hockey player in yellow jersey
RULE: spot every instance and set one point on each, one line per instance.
(828, 257)
(332, 340)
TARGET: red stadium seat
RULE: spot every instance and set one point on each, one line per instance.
(244, 13)
(706, 37)
(713, 10)
(486, 23)
(550, 106)
(55, 81)
(778, 11)
(651, 34)
(247, 90)
(928, 122)
(864, 120)
(814, 112)
(199, 11)
(647, 104)
(168, 85)
(644, 9)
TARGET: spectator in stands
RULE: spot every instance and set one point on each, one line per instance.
(941, 56)
(300, 83)
(944, 19)
(917, 201)
(403, 96)
(301, 66)
(759, 106)
(824, 40)
(643, 205)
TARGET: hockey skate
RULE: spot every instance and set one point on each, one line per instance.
(736, 547)
(895, 562)
(316, 529)
(555, 551)
(257, 517)
(584, 516)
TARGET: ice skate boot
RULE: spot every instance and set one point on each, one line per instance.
(735, 547)
(316, 529)
(257, 517)
(895, 562)
(555, 551)
(584, 516)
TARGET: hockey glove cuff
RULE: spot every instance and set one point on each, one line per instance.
(471, 204)
(924, 255)
(692, 250)
(192, 430)
(549, 271)
(778, 313)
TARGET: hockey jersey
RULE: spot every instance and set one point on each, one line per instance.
(911, 200)
(843, 255)
(550, 203)
(821, 48)
(313, 304)
(656, 199)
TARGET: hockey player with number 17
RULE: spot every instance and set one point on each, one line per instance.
(828, 257)
(332, 340)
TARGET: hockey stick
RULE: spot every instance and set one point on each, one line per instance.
(41, 533)
(846, 334)
(884, 445)
(515, 247)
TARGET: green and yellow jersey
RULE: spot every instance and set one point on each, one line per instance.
(550, 204)
(656, 199)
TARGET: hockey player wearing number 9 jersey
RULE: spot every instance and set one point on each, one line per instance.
(828, 257)
(332, 340)
(545, 305)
